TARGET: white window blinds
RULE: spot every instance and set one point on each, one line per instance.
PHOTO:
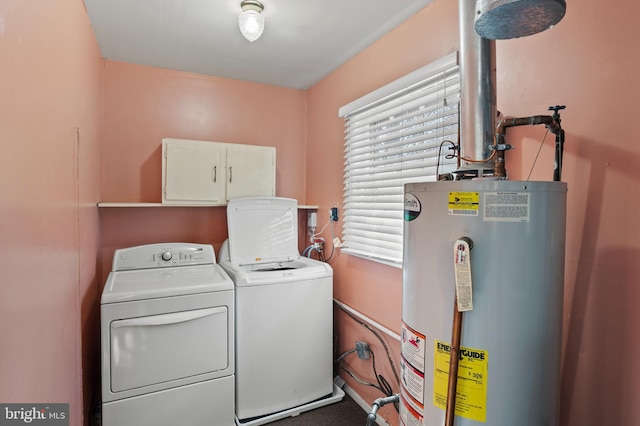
(392, 137)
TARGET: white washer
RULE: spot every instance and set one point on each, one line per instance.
(167, 325)
(284, 317)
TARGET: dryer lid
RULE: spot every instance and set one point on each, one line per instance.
(262, 230)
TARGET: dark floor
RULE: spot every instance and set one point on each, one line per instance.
(343, 413)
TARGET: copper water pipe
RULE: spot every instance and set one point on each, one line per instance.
(547, 120)
(454, 358)
(501, 129)
(454, 355)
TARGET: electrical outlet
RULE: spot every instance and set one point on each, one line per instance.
(362, 349)
(334, 214)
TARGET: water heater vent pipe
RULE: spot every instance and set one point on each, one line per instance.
(481, 22)
(477, 93)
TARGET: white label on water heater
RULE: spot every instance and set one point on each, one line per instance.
(409, 414)
(412, 364)
(413, 347)
(413, 383)
(462, 265)
(506, 207)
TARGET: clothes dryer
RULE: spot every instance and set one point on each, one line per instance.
(284, 317)
(167, 326)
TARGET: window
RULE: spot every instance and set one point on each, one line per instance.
(395, 135)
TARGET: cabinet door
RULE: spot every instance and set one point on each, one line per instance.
(251, 171)
(193, 172)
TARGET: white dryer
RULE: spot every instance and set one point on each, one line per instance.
(167, 325)
(284, 317)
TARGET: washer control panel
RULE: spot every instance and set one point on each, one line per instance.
(163, 256)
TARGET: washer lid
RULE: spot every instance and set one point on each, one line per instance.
(262, 230)
(123, 286)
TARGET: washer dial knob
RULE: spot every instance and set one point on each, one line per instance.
(166, 256)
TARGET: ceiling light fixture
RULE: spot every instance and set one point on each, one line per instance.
(251, 20)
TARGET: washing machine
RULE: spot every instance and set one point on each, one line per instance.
(284, 316)
(167, 334)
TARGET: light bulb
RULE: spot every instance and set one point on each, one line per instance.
(251, 24)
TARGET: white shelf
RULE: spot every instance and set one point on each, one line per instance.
(137, 204)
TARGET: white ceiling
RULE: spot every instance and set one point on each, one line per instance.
(303, 40)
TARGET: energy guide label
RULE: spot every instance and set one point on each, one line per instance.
(471, 394)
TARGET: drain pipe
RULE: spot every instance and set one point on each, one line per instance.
(371, 417)
(478, 110)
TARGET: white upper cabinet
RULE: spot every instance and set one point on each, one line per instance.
(200, 172)
(251, 171)
(193, 172)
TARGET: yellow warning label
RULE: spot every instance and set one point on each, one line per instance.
(471, 394)
(464, 203)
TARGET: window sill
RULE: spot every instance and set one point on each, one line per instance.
(373, 258)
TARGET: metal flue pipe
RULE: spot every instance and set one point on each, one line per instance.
(481, 23)
(477, 91)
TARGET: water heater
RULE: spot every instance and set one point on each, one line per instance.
(508, 358)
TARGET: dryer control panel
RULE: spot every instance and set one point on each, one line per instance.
(163, 255)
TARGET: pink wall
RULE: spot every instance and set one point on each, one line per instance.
(55, 143)
(50, 99)
(586, 62)
(142, 105)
